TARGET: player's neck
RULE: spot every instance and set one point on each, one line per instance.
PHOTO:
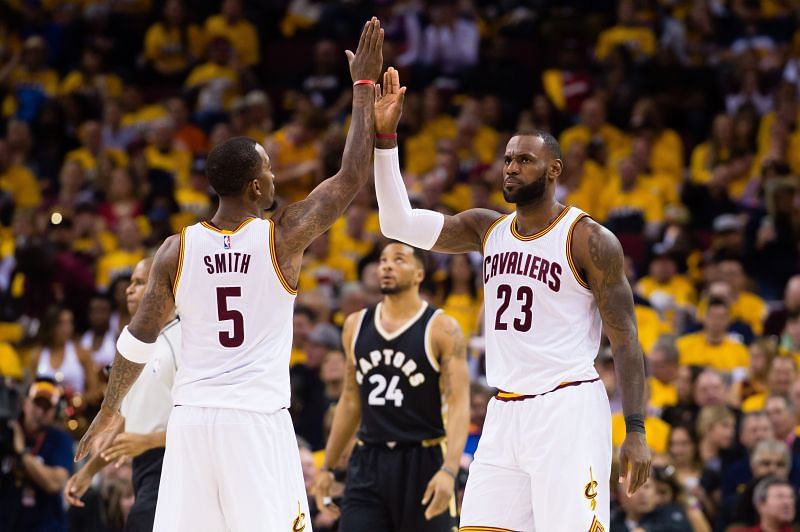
(534, 217)
(402, 306)
(232, 212)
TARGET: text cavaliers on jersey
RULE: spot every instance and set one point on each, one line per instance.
(398, 379)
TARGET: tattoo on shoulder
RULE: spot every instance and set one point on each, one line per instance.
(609, 285)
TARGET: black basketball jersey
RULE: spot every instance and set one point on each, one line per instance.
(398, 379)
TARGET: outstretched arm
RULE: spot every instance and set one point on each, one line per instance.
(298, 224)
(155, 309)
(599, 255)
(420, 228)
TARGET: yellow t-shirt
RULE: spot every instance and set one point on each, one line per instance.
(22, 185)
(88, 161)
(679, 287)
(694, 350)
(176, 162)
(615, 140)
(243, 35)
(640, 40)
(748, 308)
(649, 325)
(45, 81)
(289, 154)
(144, 115)
(639, 199)
(10, 365)
(656, 432)
(164, 45)
(202, 74)
(666, 155)
(700, 166)
(313, 269)
(458, 198)
(662, 395)
(465, 310)
(754, 403)
(297, 356)
(116, 263)
(355, 249)
(192, 201)
(108, 85)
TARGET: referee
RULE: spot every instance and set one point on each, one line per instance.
(146, 411)
(402, 357)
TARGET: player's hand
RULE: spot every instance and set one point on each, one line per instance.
(100, 433)
(76, 486)
(322, 489)
(127, 446)
(389, 102)
(438, 493)
(367, 62)
(634, 462)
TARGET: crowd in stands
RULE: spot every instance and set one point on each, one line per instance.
(679, 123)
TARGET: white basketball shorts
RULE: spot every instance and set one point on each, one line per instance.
(231, 470)
(543, 464)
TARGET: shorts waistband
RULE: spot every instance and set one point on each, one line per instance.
(509, 396)
(432, 442)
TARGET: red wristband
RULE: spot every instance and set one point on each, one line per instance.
(386, 135)
(364, 82)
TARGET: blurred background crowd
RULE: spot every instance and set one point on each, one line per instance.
(680, 128)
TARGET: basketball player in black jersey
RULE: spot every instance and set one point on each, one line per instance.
(402, 357)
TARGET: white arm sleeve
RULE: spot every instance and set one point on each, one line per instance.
(417, 227)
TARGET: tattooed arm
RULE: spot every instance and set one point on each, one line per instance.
(155, 309)
(599, 256)
(298, 224)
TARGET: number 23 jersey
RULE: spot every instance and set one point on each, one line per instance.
(236, 313)
(398, 379)
(542, 325)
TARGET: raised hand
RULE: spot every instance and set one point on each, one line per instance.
(389, 102)
(367, 62)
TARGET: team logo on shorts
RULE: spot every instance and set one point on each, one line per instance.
(590, 492)
(226, 241)
(299, 523)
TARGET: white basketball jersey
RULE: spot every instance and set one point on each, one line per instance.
(236, 314)
(542, 326)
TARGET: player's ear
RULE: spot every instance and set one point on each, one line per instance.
(255, 188)
(555, 168)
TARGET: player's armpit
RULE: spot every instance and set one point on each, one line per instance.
(465, 231)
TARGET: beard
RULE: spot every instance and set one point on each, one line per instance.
(525, 194)
(394, 288)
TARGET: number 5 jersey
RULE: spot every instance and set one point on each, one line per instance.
(236, 313)
(542, 326)
(398, 379)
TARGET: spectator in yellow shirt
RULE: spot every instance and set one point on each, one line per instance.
(92, 149)
(91, 80)
(762, 352)
(355, 234)
(627, 204)
(172, 44)
(215, 83)
(582, 180)
(294, 152)
(746, 306)
(244, 35)
(10, 364)
(164, 153)
(31, 83)
(709, 154)
(662, 362)
(593, 127)
(664, 286)
(666, 152)
(782, 374)
(121, 261)
(712, 346)
(640, 40)
(324, 268)
(18, 181)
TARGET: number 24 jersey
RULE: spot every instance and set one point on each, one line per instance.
(236, 313)
(542, 326)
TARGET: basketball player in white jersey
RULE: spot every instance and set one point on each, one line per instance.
(553, 278)
(146, 411)
(231, 459)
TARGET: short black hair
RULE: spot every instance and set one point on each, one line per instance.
(233, 164)
(549, 141)
(308, 312)
(718, 302)
(419, 254)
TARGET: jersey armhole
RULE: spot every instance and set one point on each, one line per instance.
(489, 231)
(572, 266)
(179, 269)
(429, 344)
(274, 257)
(356, 331)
